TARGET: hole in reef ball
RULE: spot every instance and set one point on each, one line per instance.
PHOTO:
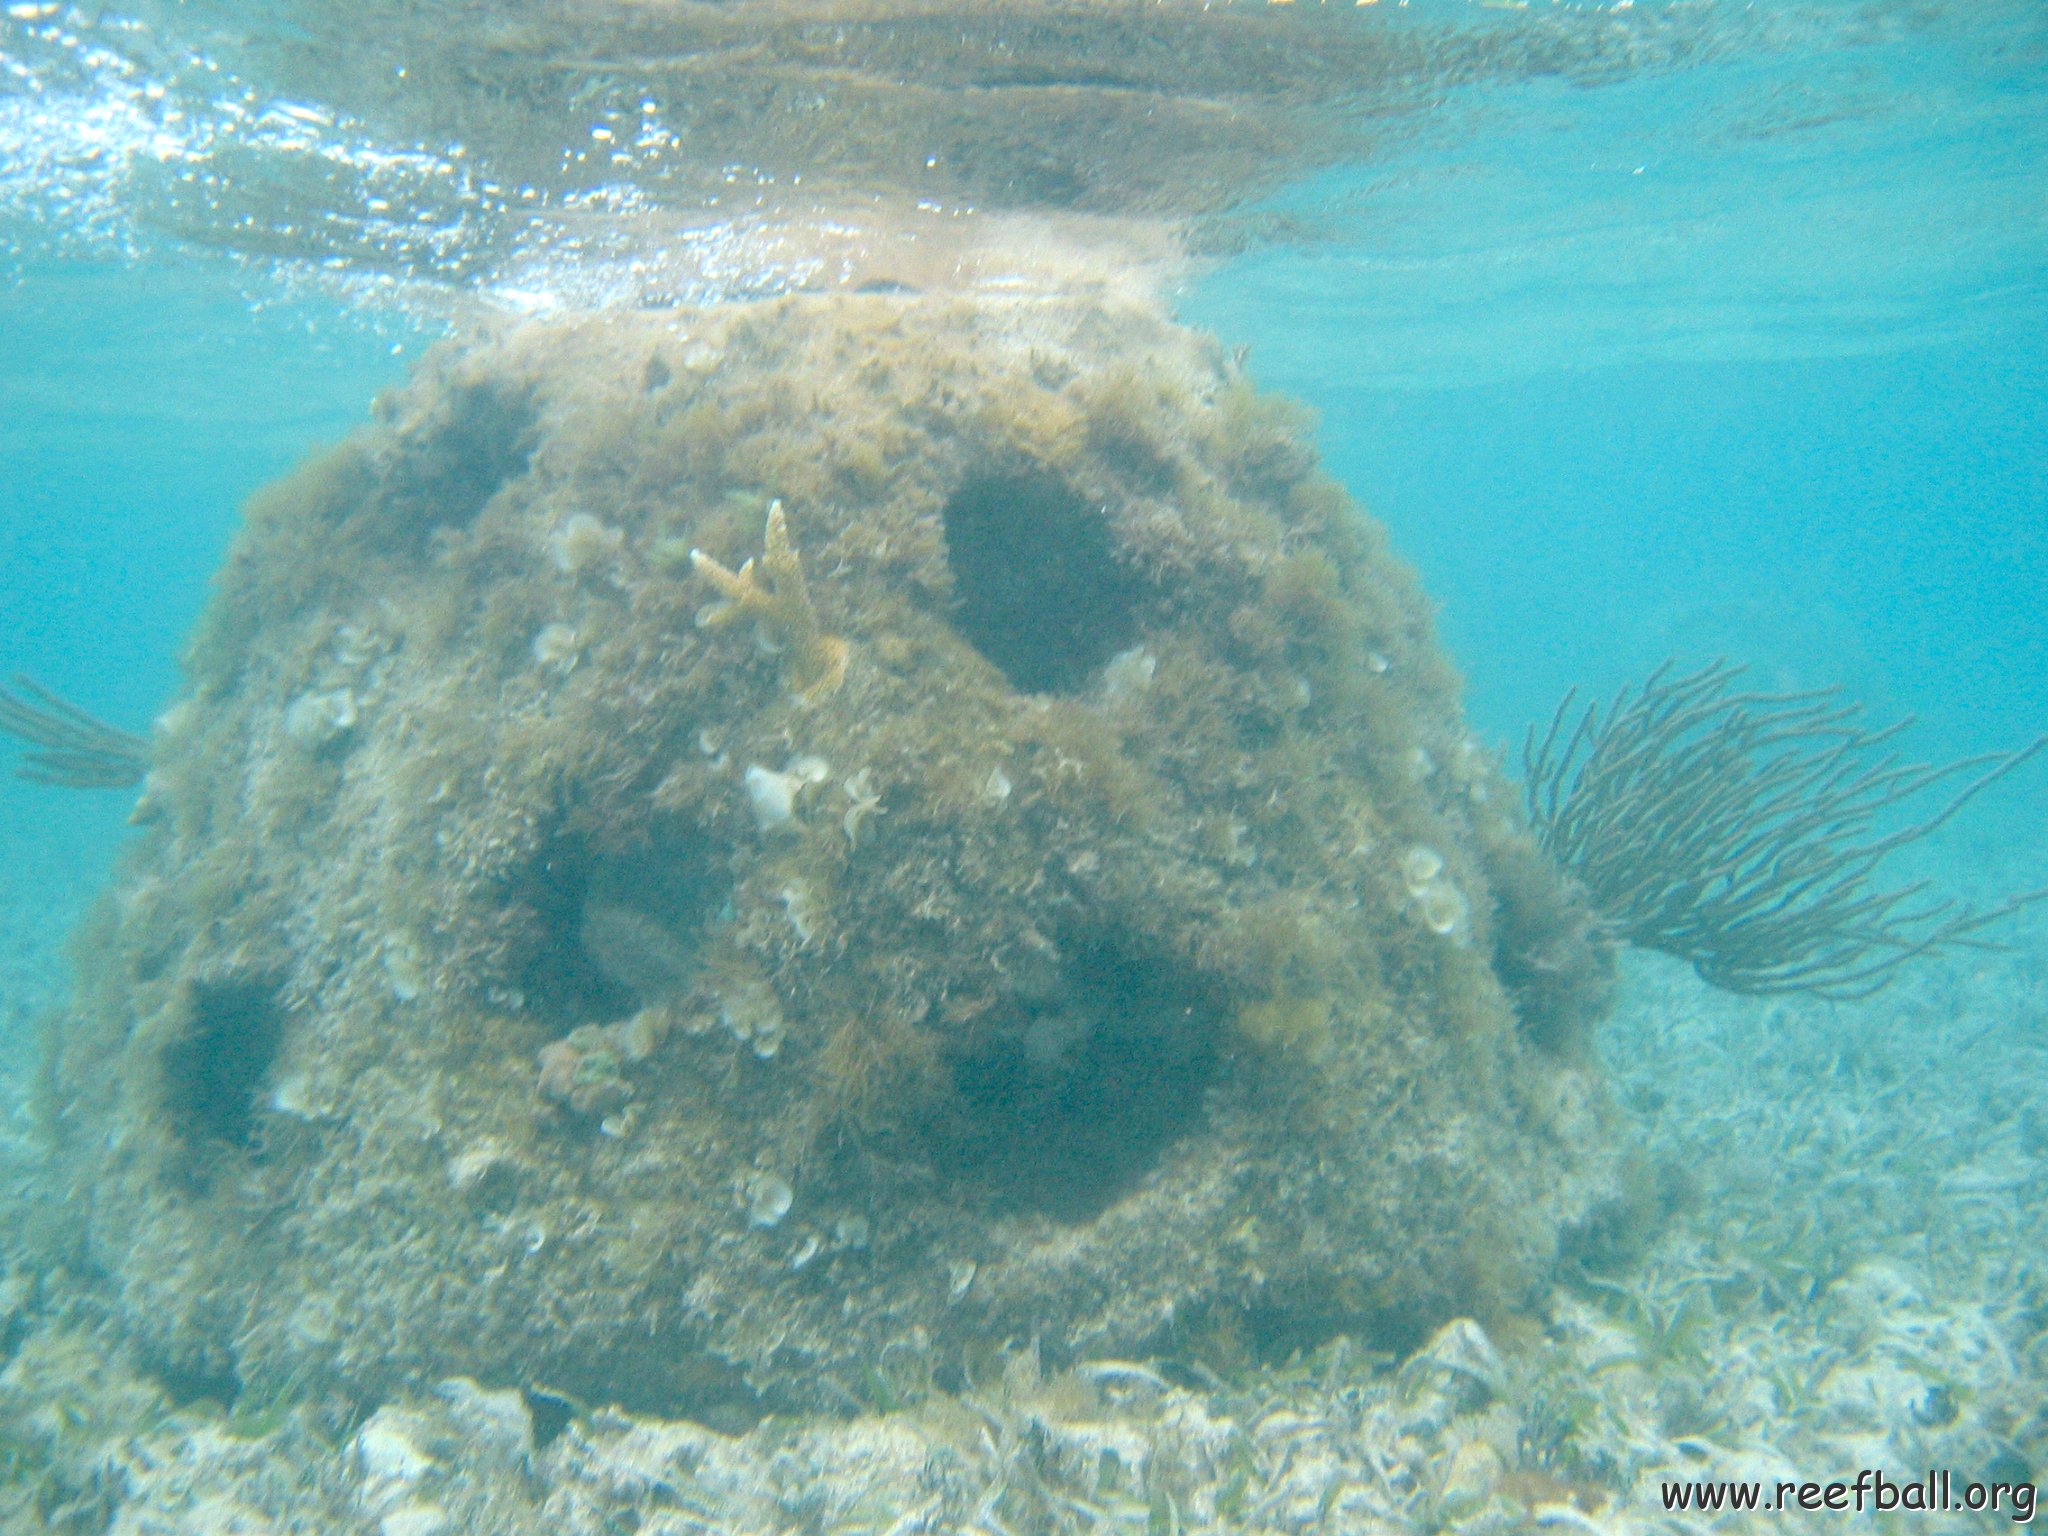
(1037, 586)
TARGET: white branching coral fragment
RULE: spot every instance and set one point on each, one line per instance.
(779, 601)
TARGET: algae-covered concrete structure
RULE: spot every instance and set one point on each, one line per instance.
(714, 859)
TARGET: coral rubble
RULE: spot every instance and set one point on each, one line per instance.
(484, 1000)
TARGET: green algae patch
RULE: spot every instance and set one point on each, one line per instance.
(707, 850)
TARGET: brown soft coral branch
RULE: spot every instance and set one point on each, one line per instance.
(1744, 831)
(77, 751)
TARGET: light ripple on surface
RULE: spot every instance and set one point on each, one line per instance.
(1498, 189)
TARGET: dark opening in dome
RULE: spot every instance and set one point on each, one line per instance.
(616, 930)
(213, 1069)
(1037, 585)
(1063, 1101)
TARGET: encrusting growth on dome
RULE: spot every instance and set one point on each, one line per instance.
(813, 662)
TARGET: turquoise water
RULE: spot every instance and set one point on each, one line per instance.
(1871, 521)
(1742, 354)
(143, 403)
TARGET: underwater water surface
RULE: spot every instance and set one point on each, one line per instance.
(1723, 337)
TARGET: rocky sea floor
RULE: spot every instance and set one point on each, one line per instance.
(1848, 1275)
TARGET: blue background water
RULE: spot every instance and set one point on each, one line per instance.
(1881, 522)
(139, 406)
